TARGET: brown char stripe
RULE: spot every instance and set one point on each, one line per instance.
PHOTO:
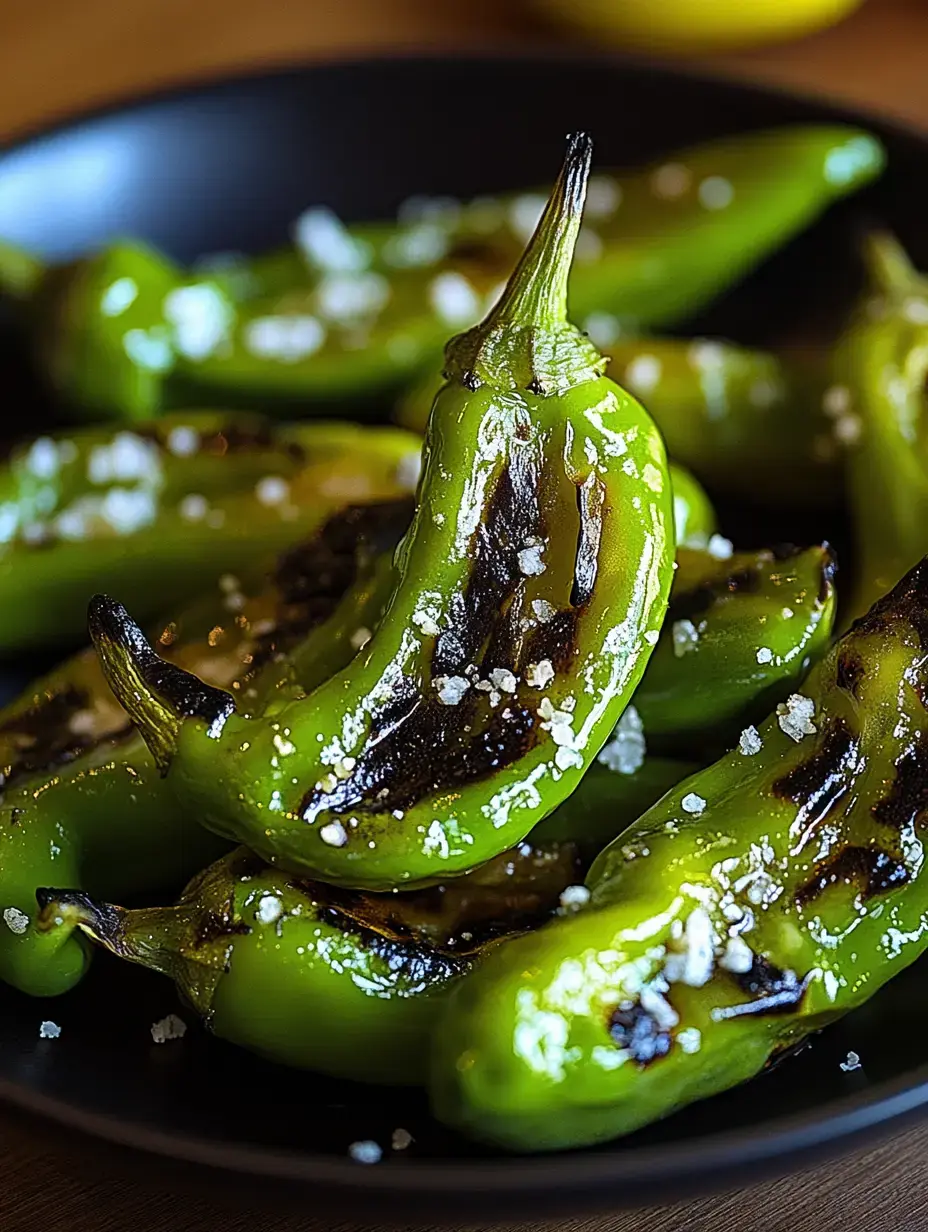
(419, 746)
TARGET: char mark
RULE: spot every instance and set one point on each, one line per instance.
(905, 604)
(849, 671)
(687, 604)
(638, 1031)
(819, 781)
(591, 498)
(872, 870)
(773, 991)
(905, 804)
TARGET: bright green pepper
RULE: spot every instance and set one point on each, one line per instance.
(83, 801)
(530, 591)
(880, 408)
(165, 508)
(757, 901)
(343, 982)
(364, 309)
(739, 635)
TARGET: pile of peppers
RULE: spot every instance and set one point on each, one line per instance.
(468, 753)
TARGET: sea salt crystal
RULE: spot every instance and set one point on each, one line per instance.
(503, 679)
(685, 637)
(169, 1028)
(451, 688)
(16, 921)
(738, 956)
(531, 563)
(691, 803)
(795, 716)
(270, 909)
(625, 751)
(749, 742)
(334, 834)
(692, 965)
(574, 897)
(764, 655)
(49, 1030)
(539, 675)
(852, 1063)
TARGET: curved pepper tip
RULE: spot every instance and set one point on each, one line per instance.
(156, 695)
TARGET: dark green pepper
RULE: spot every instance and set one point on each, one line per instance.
(879, 406)
(530, 591)
(756, 902)
(740, 419)
(343, 982)
(740, 634)
(163, 509)
(363, 309)
(83, 800)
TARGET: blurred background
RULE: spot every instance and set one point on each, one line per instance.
(62, 56)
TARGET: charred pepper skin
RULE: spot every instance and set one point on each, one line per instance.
(739, 636)
(881, 369)
(161, 510)
(126, 333)
(757, 901)
(83, 801)
(340, 981)
(530, 591)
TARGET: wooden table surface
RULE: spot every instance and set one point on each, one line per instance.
(64, 55)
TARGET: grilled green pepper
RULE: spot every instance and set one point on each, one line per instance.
(740, 419)
(343, 982)
(739, 635)
(83, 801)
(169, 506)
(363, 309)
(530, 590)
(879, 404)
(758, 900)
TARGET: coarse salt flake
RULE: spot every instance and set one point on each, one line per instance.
(16, 921)
(574, 897)
(539, 675)
(334, 834)
(692, 964)
(689, 1040)
(852, 1063)
(49, 1030)
(795, 716)
(737, 956)
(169, 1028)
(543, 610)
(531, 562)
(625, 751)
(685, 637)
(692, 803)
(451, 688)
(503, 679)
(764, 654)
(749, 742)
(270, 909)
(366, 1152)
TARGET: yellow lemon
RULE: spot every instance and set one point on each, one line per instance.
(693, 26)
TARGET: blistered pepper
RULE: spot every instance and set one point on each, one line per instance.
(879, 404)
(739, 419)
(760, 899)
(361, 310)
(340, 981)
(740, 634)
(158, 512)
(83, 801)
(530, 591)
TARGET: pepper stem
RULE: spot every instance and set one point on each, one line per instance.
(526, 340)
(888, 266)
(157, 696)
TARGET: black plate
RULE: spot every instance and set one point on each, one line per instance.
(229, 166)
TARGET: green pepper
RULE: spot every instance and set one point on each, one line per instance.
(760, 899)
(530, 590)
(83, 800)
(168, 506)
(879, 407)
(363, 309)
(739, 635)
(739, 418)
(340, 981)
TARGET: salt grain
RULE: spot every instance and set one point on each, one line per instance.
(169, 1028)
(16, 921)
(749, 742)
(795, 715)
(685, 637)
(270, 909)
(451, 688)
(49, 1030)
(539, 675)
(852, 1063)
(691, 803)
(625, 752)
(334, 834)
(574, 897)
(764, 655)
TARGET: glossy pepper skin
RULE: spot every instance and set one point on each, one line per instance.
(163, 509)
(758, 900)
(739, 635)
(360, 310)
(83, 801)
(530, 589)
(737, 418)
(338, 981)
(881, 369)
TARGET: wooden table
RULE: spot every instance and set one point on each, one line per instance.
(64, 55)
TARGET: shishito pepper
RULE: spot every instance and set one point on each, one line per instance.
(738, 418)
(161, 510)
(739, 635)
(83, 801)
(340, 981)
(879, 403)
(758, 900)
(530, 591)
(364, 309)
